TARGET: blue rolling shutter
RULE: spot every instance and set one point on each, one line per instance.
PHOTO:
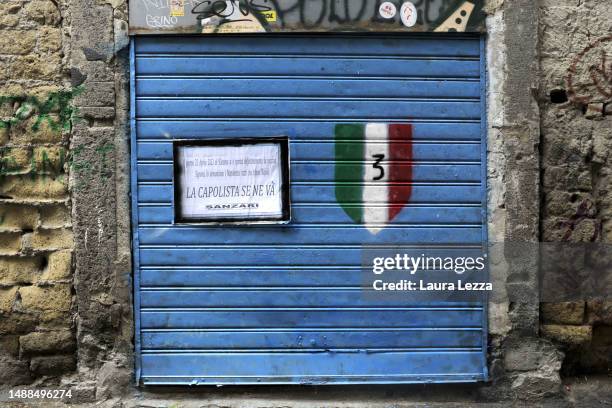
(282, 304)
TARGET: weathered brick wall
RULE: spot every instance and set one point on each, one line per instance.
(37, 337)
(576, 126)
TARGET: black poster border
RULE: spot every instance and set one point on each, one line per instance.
(282, 141)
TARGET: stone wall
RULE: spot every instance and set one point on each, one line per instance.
(100, 179)
(576, 126)
(37, 334)
(65, 306)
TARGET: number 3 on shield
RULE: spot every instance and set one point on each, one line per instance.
(376, 165)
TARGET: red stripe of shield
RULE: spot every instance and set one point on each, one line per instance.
(400, 169)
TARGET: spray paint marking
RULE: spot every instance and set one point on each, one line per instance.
(58, 103)
(373, 172)
(589, 77)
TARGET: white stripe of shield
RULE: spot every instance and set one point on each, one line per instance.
(376, 176)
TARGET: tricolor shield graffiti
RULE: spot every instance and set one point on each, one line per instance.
(373, 172)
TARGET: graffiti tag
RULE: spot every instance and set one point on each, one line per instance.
(161, 21)
(56, 110)
(320, 15)
(589, 77)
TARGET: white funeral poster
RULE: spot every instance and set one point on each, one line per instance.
(230, 182)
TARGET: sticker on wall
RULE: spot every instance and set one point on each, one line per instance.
(269, 16)
(177, 8)
(408, 14)
(457, 22)
(373, 171)
(387, 10)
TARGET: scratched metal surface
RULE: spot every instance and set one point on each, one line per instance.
(281, 304)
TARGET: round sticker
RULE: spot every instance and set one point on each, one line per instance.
(387, 10)
(408, 14)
